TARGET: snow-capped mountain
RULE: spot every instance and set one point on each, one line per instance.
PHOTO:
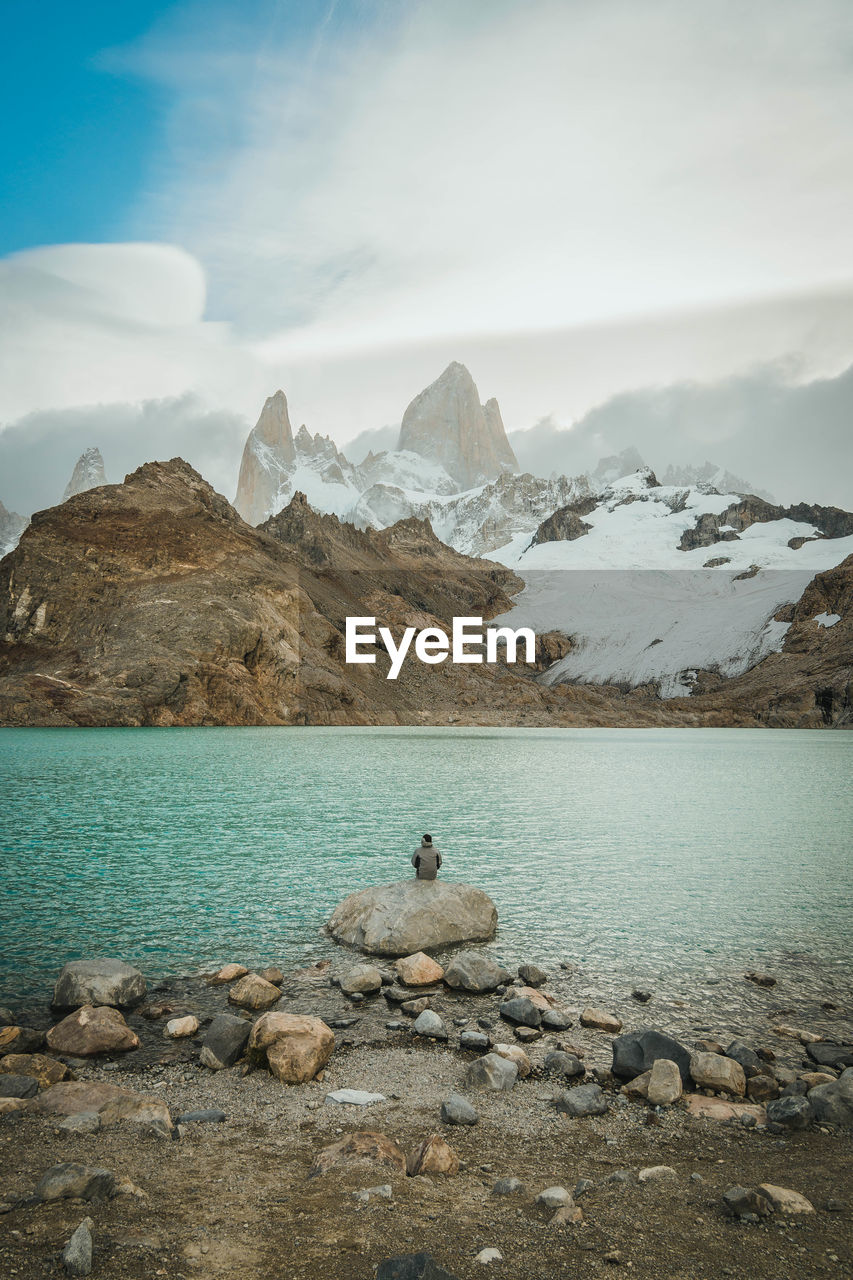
(657, 582)
(11, 527)
(88, 473)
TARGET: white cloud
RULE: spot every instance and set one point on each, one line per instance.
(517, 166)
(82, 324)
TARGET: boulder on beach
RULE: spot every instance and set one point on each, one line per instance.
(296, 1046)
(89, 1031)
(413, 915)
(97, 982)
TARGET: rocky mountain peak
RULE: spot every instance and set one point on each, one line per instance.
(447, 424)
(268, 456)
(88, 473)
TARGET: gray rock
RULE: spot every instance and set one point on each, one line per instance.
(558, 1063)
(556, 1020)
(225, 1041)
(396, 1025)
(412, 1266)
(741, 1201)
(429, 1024)
(209, 1116)
(748, 1058)
(531, 975)
(7, 1017)
(75, 1181)
(12, 1086)
(362, 979)
(636, 1052)
(77, 1254)
(554, 1198)
(832, 1103)
(367, 1193)
(458, 1110)
(402, 995)
(477, 1040)
(81, 1122)
(472, 971)
(583, 1100)
(413, 915)
(508, 1187)
(642, 996)
(98, 982)
(796, 1089)
(830, 1055)
(491, 1072)
(521, 1011)
(791, 1112)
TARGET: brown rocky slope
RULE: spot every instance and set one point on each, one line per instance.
(153, 603)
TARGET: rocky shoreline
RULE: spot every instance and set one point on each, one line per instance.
(453, 1100)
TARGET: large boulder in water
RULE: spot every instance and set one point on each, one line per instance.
(98, 982)
(413, 915)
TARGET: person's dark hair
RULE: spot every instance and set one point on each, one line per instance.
(428, 839)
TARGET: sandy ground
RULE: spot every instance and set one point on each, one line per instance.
(234, 1199)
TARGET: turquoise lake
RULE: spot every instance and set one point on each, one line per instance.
(638, 852)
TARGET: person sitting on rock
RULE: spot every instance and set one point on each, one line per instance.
(426, 859)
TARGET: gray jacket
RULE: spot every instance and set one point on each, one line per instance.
(426, 860)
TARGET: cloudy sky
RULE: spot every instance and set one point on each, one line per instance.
(629, 218)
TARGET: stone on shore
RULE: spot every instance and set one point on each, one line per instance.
(748, 1058)
(296, 1046)
(20, 1040)
(556, 1020)
(474, 972)
(412, 1266)
(413, 915)
(13, 1086)
(582, 1100)
(108, 1101)
(418, 970)
(784, 1200)
(637, 1051)
(253, 992)
(521, 1011)
(531, 975)
(433, 1155)
(793, 1111)
(491, 1072)
(225, 1041)
(713, 1071)
(8, 1105)
(476, 1040)
(180, 1028)
(833, 1103)
(362, 979)
(514, 1053)
(90, 1031)
(365, 1145)
(831, 1055)
(601, 1021)
(72, 1181)
(458, 1110)
(98, 982)
(720, 1109)
(555, 1198)
(46, 1071)
(664, 1083)
(429, 1025)
(228, 973)
(77, 1254)
(560, 1063)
